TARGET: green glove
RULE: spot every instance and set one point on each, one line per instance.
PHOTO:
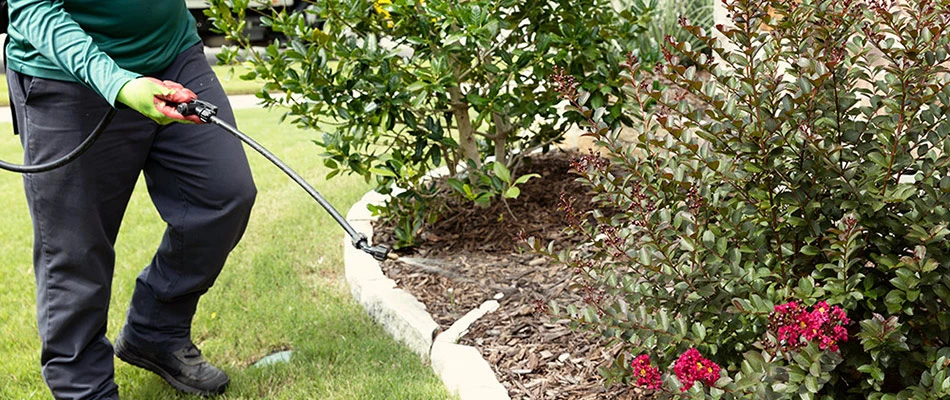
(148, 96)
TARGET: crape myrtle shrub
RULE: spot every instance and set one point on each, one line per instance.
(401, 87)
(784, 225)
(660, 19)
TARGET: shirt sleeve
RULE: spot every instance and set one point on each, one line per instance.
(47, 26)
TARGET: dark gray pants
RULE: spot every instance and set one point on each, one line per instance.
(199, 181)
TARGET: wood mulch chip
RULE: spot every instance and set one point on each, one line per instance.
(474, 255)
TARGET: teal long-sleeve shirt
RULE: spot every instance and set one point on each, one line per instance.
(99, 43)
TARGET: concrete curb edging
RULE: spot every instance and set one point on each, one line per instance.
(461, 368)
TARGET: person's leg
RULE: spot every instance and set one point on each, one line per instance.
(76, 212)
(201, 184)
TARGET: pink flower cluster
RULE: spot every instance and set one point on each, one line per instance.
(647, 375)
(795, 326)
(689, 368)
(692, 367)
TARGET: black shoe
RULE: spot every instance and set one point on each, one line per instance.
(186, 370)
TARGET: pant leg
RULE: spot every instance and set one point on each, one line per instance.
(76, 212)
(201, 184)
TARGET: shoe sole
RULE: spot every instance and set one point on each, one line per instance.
(129, 357)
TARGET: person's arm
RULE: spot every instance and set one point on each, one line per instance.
(47, 26)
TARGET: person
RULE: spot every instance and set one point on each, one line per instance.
(68, 62)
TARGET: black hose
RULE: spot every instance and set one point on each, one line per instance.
(207, 112)
(359, 240)
(291, 173)
(68, 158)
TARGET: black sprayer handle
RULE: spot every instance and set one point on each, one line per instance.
(207, 112)
(203, 109)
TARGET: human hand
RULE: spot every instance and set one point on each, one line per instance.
(151, 98)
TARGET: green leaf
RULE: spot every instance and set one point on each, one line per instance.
(383, 172)
(512, 192)
(410, 119)
(491, 68)
(699, 330)
(878, 159)
(371, 44)
(453, 38)
(416, 86)
(501, 172)
(876, 373)
(815, 369)
(811, 383)
(687, 244)
(644, 257)
(806, 286)
(483, 200)
(457, 185)
(249, 76)
(524, 178)
(753, 168)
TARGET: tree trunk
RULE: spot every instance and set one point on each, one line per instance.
(467, 145)
(503, 130)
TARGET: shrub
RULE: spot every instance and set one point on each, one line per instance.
(660, 19)
(401, 87)
(803, 185)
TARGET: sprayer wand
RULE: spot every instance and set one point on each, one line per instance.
(207, 112)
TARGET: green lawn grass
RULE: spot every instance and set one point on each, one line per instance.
(4, 94)
(230, 78)
(281, 289)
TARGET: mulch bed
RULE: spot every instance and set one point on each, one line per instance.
(474, 255)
